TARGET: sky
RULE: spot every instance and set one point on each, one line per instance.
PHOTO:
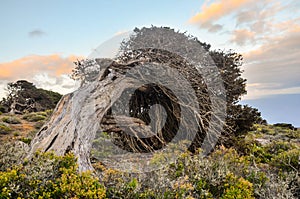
(39, 40)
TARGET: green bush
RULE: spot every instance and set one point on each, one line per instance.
(277, 147)
(11, 120)
(4, 129)
(237, 188)
(16, 133)
(188, 177)
(287, 160)
(2, 109)
(285, 125)
(11, 154)
(49, 176)
(35, 117)
(39, 125)
(25, 140)
(223, 174)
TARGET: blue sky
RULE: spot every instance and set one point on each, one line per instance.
(40, 39)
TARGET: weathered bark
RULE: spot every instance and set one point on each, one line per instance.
(76, 119)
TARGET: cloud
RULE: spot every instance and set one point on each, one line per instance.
(50, 72)
(27, 66)
(259, 17)
(254, 20)
(209, 14)
(263, 90)
(244, 17)
(270, 31)
(217, 10)
(213, 28)
(274, 67)
(243, 36)
(36, 33)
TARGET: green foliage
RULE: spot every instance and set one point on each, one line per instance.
(25, 140)
(255, 169)
(277, 147)
(239, 118)
(11, 120)
(2, 109)
(285, 125)
(24, 96)
(11, 154)
(287, 160)
(49, 176)
(242, 118)
(35, 117)
(39, 125)
(278, 131)
(16, 133)
(237, 188)
(223, 174)
(189, 177)
(4, 129)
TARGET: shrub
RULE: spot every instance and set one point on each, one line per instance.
(16, 133)
(2, 109)
(35, 117)
(25, 140)
(280, 186)
(285, 125)
(4, 129)
(39, 125)
(49, 176)
(11, 154)
(237, 188)
(277, 147)
(190, 176)
(259, 154)
(11, 120)
(287, 160)
(49, 112)
(223, 174)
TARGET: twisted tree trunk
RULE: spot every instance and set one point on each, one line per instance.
(81, 115)
(76, 119)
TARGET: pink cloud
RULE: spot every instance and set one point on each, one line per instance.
(217, 10)
(27, 67)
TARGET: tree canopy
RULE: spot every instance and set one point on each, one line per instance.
(239, 118)
(24, 96)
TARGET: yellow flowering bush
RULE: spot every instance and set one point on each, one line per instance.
(49, 176)
(237, 188)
